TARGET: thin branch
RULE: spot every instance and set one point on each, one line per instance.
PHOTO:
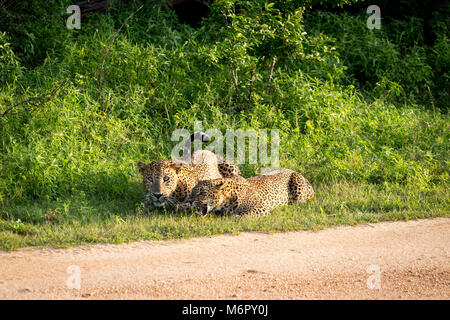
(31, 100)
(53, 94)
(301, 12)
(17, 104)
(252, 78)
(275, 58)
(236, 82)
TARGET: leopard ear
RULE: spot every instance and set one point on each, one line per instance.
(141, 166)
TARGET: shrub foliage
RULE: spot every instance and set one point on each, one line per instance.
(352, 104)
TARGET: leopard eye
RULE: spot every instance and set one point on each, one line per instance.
(150, 180)
(166, 179)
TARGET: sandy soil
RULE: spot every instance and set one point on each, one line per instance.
(412, 257)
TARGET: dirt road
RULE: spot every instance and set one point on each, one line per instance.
(413, 260)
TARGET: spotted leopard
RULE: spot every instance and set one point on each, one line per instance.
(169, 182)
(253, 196)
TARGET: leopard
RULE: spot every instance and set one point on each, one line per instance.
(169, 182)
(255, 196)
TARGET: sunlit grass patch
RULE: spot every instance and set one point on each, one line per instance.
(93, 221)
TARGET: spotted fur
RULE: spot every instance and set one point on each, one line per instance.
(253, 196)
(170, 182)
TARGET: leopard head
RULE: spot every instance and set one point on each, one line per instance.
(160, 178)
(211, 195)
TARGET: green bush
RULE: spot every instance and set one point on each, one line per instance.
(37, 28)
(10, 67)
(392, 59)
(440, 61)
(337, 93)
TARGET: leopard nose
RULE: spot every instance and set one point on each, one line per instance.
(157, 195)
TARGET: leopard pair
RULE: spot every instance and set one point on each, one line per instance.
(209, 183)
